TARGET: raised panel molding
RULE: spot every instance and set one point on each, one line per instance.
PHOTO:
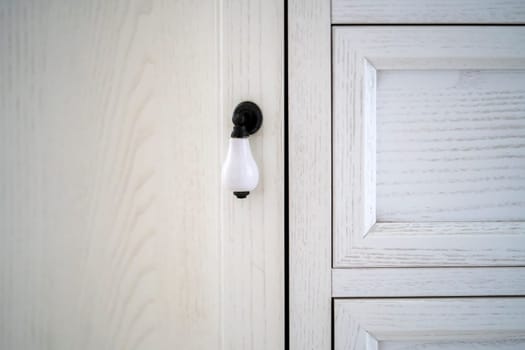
(463, 323)
(359, 239)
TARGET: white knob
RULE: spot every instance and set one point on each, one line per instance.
(239, 171)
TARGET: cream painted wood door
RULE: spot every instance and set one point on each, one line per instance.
(429, 186)
(407, 174)
(429, 146)
(114, 230)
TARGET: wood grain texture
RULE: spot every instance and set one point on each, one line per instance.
(471, 344)
(451, 143)
(427, 282)
(253, 229)
(447, 323)
(428, 11)
(361, 55)
(114, 231)
(309, 174)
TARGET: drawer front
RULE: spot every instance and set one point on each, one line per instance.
(428, 11)
(430, 324)
(428, 146)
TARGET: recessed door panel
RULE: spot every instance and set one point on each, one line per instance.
(450, 145)
(429, 146)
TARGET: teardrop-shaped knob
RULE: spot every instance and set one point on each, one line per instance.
(239, 171)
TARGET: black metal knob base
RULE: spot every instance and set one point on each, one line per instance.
(241, 195)
(247, 119)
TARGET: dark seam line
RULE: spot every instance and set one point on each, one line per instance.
(513, 296)
(429, 24)
(448, 267)
(332, 311)
(286, 187)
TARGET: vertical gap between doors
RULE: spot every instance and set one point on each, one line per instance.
(332, 319)
(286, 182)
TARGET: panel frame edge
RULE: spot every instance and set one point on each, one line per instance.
(309, 144)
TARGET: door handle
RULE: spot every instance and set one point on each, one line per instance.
(239, 171)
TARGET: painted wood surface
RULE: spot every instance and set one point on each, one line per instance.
(451, 143)
(309, 145)
(428, 11)
(252, 254)
(410, 236)
(462, 323)
(114, 231)
(472, 344)
(427, 282)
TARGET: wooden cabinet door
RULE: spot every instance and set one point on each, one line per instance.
(422, 125)
(428, 146)
(115, 232)
(430, 324)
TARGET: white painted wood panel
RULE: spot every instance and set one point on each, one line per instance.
(499, 344)
(309, 147)
(114, 230)
(428, 11)
(252, 230)
(468, 323)
(408, 234)
(427, 282)
(101, 247)
(451, 143)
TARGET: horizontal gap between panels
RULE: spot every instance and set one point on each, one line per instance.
(428, 267)
(429, 24)
(433, 297)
